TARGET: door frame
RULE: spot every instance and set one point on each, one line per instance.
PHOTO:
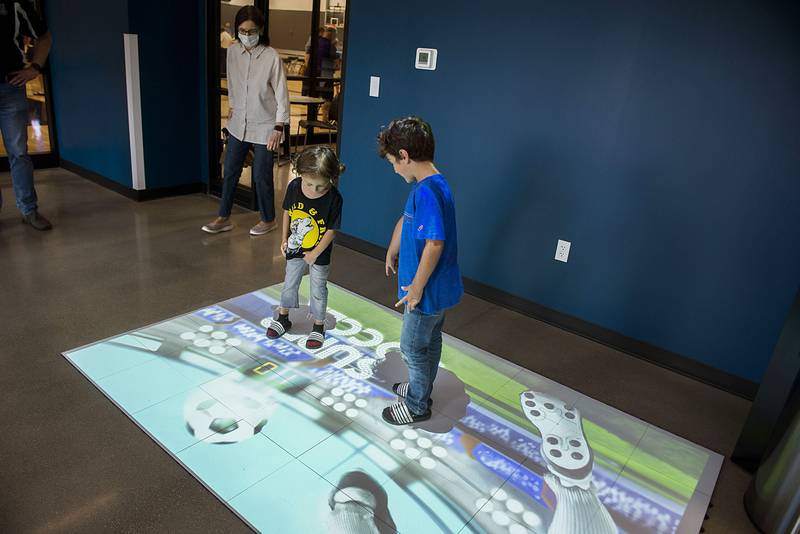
(245, 196)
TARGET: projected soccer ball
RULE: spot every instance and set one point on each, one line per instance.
(240, 418)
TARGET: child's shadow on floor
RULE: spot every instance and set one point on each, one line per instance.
(449, 395)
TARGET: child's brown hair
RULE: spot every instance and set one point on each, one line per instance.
(411, 134)
(320, 161)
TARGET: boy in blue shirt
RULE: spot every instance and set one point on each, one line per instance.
(424, 253)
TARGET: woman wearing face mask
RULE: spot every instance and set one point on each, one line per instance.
(259, 113)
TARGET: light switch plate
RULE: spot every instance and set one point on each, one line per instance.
(374, 86)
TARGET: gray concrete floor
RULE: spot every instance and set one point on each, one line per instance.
(70, 461)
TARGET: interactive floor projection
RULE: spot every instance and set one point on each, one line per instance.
(292, 440)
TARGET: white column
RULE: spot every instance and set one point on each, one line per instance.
(134, 109)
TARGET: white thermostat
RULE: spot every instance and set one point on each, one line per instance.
(426, 58)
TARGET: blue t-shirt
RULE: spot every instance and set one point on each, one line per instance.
(430, 214)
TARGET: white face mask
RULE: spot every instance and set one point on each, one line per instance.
(249, 41)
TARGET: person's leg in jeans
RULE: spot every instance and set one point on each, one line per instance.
(419, 348)
(14, 127)
(235, 153)
(318, 302)
(265, 189)
(435, 353)
(295, 268)
(319, 292)
(289, 297)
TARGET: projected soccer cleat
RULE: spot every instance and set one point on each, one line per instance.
(564, 446)
(578, 511)
(355, 503)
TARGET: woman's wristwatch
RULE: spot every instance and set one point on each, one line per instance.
(279, 127)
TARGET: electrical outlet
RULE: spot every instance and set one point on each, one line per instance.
(562, 250)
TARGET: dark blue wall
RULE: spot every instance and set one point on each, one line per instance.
(660, 138)
(87, 66)
(171, 55)
(89, 91)
(202, 102)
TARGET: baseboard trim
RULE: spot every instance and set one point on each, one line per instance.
(139, 196)
(639, 349)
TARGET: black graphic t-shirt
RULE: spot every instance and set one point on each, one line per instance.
(309, 219)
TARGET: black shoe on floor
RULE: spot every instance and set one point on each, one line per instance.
(36, 221)
(399, 414)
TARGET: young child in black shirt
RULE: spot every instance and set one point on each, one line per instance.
(312, 214)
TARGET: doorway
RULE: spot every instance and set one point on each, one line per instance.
(314, 70)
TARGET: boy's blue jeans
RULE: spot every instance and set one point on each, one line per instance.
(14, 126)
(421, 345)
(262, 177)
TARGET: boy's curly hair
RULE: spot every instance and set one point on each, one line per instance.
(411, 134)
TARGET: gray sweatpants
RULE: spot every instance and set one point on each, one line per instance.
(318, 302)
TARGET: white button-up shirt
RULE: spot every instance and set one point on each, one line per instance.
(257, 93)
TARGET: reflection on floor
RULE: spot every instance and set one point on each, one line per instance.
(265, 423)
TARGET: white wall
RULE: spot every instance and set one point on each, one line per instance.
(288, 5)
(292, 5)
(300, 5)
